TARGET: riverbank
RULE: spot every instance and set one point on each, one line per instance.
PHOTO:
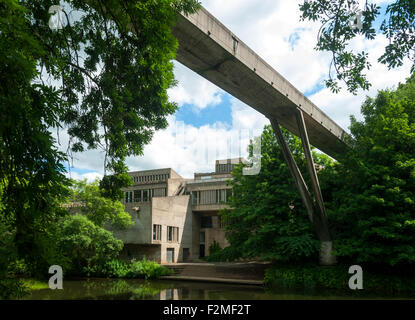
(336, 279)
(246, 273)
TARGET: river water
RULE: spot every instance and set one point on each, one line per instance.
(137, 289)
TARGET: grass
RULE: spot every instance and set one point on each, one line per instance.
(33, 284)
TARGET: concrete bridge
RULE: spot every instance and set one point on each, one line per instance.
(207, 47)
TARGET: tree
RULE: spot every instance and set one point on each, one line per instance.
(260, 222)
(84, 244)
(87, 199)
(339, 27)
(371, 193)
(106, 85)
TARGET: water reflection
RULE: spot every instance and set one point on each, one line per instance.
(136, 289)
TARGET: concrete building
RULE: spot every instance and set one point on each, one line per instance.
(175, 219)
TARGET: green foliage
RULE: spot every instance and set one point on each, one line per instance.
(85, 244)
(114, 60)
(336, 33)
(88, 200)
(31, 171)
(230, 253)
(106, 85)
(370, 193)
(147, 269)
(110, 186)
(9, 288)
(116, 268)
(214, 247)
(259, 223)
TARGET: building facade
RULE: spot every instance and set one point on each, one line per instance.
(175, 219)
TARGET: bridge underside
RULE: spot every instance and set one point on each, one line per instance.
(207, 47)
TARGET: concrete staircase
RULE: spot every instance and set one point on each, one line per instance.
(238, 272)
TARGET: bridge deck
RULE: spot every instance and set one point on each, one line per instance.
(207, 47)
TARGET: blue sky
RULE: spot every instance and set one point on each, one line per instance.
(211, 118)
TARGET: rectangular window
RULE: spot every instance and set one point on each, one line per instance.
(137, 196)
(173, 234)
(223, 195)
(129, 196)
(206, 222)
(145, 195)
(157, 232)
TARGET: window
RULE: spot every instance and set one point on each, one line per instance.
(222, 195)
(195, 197)
(173, 234)
(157, 232)
(206, 222)
(137, 196)
(129, 196)
(221, 223)
(228, 194)
(145, 195)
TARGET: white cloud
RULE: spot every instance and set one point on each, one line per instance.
(90, 176)
(193, 90)
(273, 30)
(188, 149)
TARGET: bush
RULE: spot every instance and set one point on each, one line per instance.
(128, 269)
(86, 245)
(226, 254)
(147, 269)
(214, 247)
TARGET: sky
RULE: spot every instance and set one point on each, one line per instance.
(210, 124)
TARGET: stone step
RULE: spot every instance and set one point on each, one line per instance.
(228, 271)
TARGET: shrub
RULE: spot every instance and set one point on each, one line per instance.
(147, 269)
(86, 245)
(214, 247)
(226, 254)
(116, 268)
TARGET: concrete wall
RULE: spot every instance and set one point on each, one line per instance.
(141, 232)
(173, 185)
(175, 212)
(141, 251)
(215, 234)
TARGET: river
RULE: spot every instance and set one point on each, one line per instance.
(137, 289)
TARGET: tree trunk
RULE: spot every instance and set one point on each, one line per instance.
(326, 254)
